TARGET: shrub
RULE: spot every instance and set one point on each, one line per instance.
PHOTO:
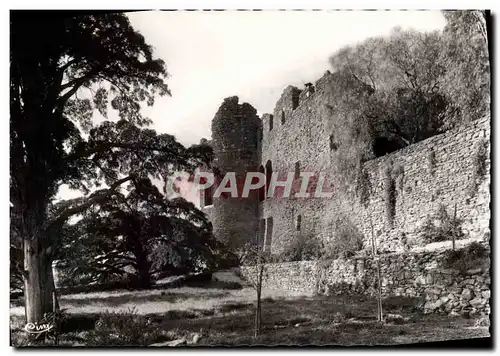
(470, 257)
(346, 242)
(123, 329)
(441, 227)
(303, 247)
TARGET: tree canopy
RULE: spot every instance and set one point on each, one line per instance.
(65, 68)
(142, 231)
(408, 86)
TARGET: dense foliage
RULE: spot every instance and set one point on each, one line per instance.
(139, 236)
(347, 239)
(71, 67)
(397, 90)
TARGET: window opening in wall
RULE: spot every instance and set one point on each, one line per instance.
(333, 145)
(269, 233)
(262, 231)
(298, 222)
(269, 173)
(208, 196)
(282, 117)
(262, 190)
(297, 170)
(270, 122)
(309, 88)
(295, 100)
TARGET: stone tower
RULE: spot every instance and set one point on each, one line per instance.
(236, 132)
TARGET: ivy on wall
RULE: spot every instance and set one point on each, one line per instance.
(392, 180)
(363, 186)
(389, 194)
(478, 167)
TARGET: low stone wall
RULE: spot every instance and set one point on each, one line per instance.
(411, 274)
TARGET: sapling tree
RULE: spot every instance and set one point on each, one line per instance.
(256, 256)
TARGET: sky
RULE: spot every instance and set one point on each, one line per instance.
(251, 54)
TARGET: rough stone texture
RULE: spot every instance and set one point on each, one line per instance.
(410, 274)
(300, 132)
(235, 140)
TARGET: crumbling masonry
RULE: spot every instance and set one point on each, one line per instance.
(298, 136)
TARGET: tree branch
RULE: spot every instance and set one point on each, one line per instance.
(104, 145)
(93, 199)
(68, 64)
(75, 84)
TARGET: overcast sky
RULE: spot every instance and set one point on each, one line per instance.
(251, 54)
(254, 55)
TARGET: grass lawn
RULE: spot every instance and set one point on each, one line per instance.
(225, 317)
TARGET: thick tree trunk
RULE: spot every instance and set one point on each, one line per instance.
(144, 277)
(143, 266)
(38, 283)
(51, 288)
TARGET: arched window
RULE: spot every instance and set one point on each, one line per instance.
(269, 174)
(262, 190)
(282, 117)
(270, 122)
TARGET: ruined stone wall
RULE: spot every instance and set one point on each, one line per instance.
(303, 137)
(410, 274)
(435, 171)
(235, 140)
(424, 183)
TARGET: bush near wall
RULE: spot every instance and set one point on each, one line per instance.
(441, 226)
(346, 242)
(303, 246)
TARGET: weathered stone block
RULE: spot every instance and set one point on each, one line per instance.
(478, 302)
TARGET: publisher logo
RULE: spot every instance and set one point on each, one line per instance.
(34, 328)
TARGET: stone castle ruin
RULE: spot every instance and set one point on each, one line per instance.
(298, 137)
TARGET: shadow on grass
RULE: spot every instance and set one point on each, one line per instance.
(116, 300)
(300, 321)
(78, 322)
(319, 320)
